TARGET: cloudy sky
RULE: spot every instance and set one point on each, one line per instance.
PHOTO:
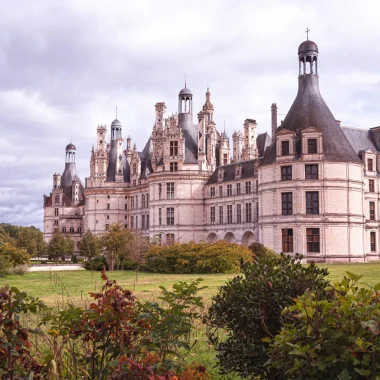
(65, 65)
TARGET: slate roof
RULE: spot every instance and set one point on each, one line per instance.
(360, 139)
(310, 110)
(247, 171)
(263, 140)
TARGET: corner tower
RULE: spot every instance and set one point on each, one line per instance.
(310, 200)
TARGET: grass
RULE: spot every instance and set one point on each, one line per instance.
(55, 288)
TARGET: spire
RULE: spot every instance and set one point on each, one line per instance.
(307, 34)
(116, 113)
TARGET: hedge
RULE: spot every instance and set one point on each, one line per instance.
(219, 257)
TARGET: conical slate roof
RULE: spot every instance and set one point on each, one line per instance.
(310, 110)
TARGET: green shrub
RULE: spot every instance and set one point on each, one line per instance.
(5, 266)
(97, 263)
(18, 270)
(338, 338)
(260, 250)
(219, 257)
(248, 309)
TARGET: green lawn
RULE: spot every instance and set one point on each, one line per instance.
(54, 287)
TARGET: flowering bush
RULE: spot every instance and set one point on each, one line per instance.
(219, 257)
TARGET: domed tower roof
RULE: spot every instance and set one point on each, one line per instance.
(308, 46)
(71, 147)
(116, 123)
(310, 110)
(185, 92)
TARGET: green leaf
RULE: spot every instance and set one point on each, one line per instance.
(363, 372)
(344, 375)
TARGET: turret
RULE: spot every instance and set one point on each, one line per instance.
(237, 146)
(224, 150)
(115, 154)
(185, 109)
(56, 181)
(250, 148)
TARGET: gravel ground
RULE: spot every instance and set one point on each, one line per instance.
(54, 268)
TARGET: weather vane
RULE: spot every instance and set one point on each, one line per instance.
(307, 33)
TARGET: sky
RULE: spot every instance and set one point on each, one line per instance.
(66, 65)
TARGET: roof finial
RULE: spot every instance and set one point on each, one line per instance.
(116, 112)
(307, 33)
(224, 126)
(185, 81)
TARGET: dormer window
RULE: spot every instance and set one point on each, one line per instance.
(220, 174)
(285, 148)
(237, 171)
(311, 146)
(370, 164)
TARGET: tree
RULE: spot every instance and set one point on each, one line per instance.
(113, 242)
(136, 248)
(31, 239)
(89, 246)
(57, 246)
(248, 309)
(69, 246)
(16, 256)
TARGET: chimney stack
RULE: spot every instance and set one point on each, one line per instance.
(274, 119)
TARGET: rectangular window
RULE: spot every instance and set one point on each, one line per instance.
(147, 200)
(257, 211)
(143, 222)
(63, 230)
(56, 222)
(170, 190)
(370, 164)
(287, 240)
(137, 222)
(372, 185)
(248, 212)
(170, 216)
(56, 212)
(229, 214)
(126, 206)
(311, 171)
(174, 148)
(248, 187)
(132, 221)
(160, 217)
(212, 215)
(212, 192)
(313, 239)
(71, 230)
(286, 173)
(311, 146)
(229, 190)
(108, 217)
(134, 183)
(220, 191)
(56, 198)
(225, 159)
(312, 202)
(373, 241)
(132, 203)
(159, 191)
(79, 230)
(238, 213)
(221, 215)
(238, 189)
(371, 210)
(170, 239)
(137, 202)
(287, 203)
(108, 206)
(285, 148)
(173, 166)
(147, 221)
(143, 201)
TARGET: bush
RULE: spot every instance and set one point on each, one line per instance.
(5, 266)
(219, 257)
(248, 309)
(97, 263)
(338, 338)
(18, 270)
(260, 250)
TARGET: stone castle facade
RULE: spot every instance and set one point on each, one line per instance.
(312, 187)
